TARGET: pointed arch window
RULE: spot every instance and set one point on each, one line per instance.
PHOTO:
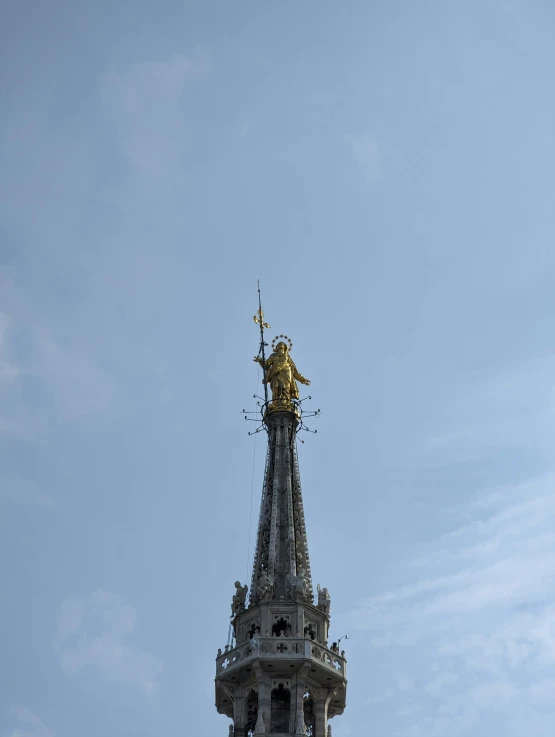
(281, 710)
(281, 626)
(309, 718)
(252, 713)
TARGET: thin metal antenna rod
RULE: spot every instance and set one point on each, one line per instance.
(262, 343)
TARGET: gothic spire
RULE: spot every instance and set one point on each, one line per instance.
(281, 569)
(281, 676)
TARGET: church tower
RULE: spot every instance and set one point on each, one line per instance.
(279, 675)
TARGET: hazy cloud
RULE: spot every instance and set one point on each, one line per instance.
(479, 629)
(474, 626)
(29, 724)
(71, 385)
(365, 150)
(8, 368)
(148, 102)
(514, 408)
(246, 127)
(23, 491)
(97, 632)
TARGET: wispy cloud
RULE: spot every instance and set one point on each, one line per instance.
(515, 407)
(148, 102)
(95, 633)
(29, 724)
(246, 127)
(78, 385)
(364, 149)
(71, 385)
(8, 368)
(479, 635)
(474, 624)
(23, 491)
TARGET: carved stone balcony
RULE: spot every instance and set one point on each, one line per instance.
(279, 653)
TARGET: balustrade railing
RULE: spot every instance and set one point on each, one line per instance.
(275, 647)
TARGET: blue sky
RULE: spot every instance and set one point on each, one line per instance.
(386, 170)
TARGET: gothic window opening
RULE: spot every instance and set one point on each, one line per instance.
(252, 713)
(281, 710)
(308, 708)
(253, 630)
(309, 631)
(281, 628)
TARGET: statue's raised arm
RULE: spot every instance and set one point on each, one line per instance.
(299, 376)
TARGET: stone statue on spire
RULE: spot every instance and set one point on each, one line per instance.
(239, 598)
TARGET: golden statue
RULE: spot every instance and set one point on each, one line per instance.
(282, 374)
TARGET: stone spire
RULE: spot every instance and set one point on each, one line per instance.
(280, 676)
(281, 570)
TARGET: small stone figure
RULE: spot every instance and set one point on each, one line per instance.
(324, 600)
(309, 632)
(329, 730)
(219, 651)
(299, 586)
(260, 727)
(253, 630)
(239, 598)
(265, 586)
(301, 726)
(231, 730)
(334, 647)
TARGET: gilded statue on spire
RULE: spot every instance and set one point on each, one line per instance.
(281, 374)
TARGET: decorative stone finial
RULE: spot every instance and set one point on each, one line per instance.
(300, 730)
(260, 728)
(324, 600)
